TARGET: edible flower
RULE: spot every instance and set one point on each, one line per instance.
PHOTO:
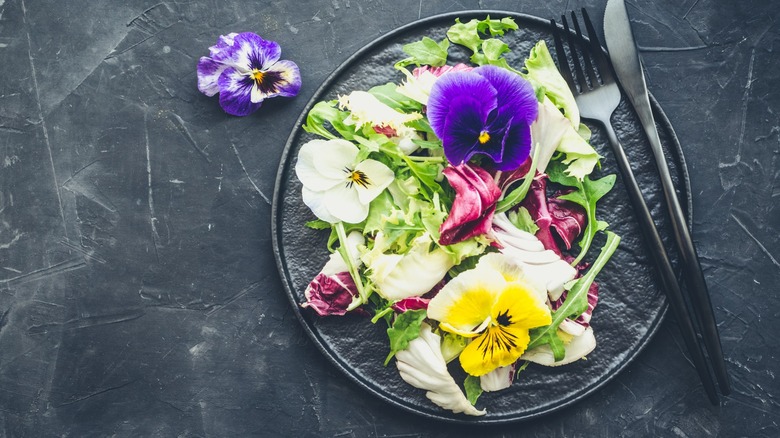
(337, 185)
(245, 70)
(496, 307)
(472, 211)
(487, 111)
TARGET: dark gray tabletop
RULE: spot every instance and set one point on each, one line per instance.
(138, 290)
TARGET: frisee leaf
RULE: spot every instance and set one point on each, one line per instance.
(406, 328)
(389, 95)
(473, 388)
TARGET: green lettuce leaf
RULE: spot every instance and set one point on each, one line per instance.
(427, 52)
(581, 158)
(542, 72)
(522, 219)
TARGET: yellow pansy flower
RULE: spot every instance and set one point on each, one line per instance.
(493, 305)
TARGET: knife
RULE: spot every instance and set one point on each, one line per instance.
(628, 69)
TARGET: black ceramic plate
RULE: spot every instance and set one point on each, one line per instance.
(631, 302)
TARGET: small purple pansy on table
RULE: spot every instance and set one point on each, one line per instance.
(245, 70)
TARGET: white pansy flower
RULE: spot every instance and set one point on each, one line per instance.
(337, 186)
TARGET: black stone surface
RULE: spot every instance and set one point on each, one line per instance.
(138, 290)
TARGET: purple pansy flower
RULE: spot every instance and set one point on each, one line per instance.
(488, 111)
(245, 70)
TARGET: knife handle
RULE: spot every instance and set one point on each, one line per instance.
(664, 266)
(692, 272)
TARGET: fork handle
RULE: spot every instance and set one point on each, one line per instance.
(693, 275)
(663, 265)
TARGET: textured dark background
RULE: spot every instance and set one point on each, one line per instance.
(138, 290)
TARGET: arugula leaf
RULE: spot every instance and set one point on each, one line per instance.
(522, 219)
(546, 336)
(389, 95)
(427, 52)
(473, 388)
(323, 112)
(576, 299)
(406, 328)
(587, 193)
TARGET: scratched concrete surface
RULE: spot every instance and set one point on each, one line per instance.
(138, 291)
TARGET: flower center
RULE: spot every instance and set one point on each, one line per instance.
(504, 318)
(495, 341)
(356, 177)
(257, 75)
(484, 137)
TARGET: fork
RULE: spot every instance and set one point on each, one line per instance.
(597, 95)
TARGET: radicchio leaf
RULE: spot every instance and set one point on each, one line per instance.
(472, 211)
(330, 294)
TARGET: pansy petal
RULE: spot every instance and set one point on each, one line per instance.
(467, 300)
(209, 72)
(379, 176)
(259, 53)
(343, 203)
(235, 93)
(514, 94)
(316, 202)
(520, 306)
(312, 172)
(454, 86)
(289, 78)
(332, 158)
(516, 147)
(498, 346)
(224, 44)
(462, 128)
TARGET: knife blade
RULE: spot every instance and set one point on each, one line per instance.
(627, 64)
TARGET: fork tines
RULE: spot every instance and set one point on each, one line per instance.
(594, 72)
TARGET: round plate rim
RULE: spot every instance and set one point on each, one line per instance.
(661, 119)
